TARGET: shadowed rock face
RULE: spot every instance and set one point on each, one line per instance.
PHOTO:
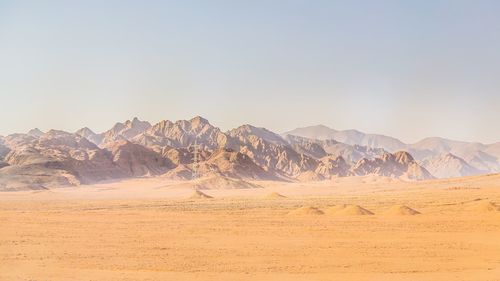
(183, 133)
(136, 160)
(400, 165)
(234, 164)
(137, 149)
(333, 166)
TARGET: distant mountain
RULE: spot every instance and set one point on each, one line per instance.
(351, 137)
(90, 135)
(398, 165)
(125, 131)
(136, 160)
(56, 158)
(135, 148)
(480, 157)
(269, 151)
(233, 164)
(35, 132)
(120, 131)
(448, 165)
(320, 148)
(182, 133)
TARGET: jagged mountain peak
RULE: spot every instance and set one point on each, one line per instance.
(135, 148)
(448, 165)
(35, 132)
(399, 165)
(199, 121)
(403, 157)
(351, 137)
(85, 132)
(247, 130)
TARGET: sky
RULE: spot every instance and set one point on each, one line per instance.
(408, 69)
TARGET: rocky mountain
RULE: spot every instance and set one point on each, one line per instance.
(483, 158)
(270, 151)
(56, 158)
(4, 150)
(35, 132)
(320, 148)
(136, 160)
(447, 165)
(331, 166)
(350, 137)
(168, 149)
(182, 133)
(125, 131)
(398, 165)
(233, 164)
(90, 135)
(120, 131)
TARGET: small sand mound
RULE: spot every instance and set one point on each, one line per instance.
(310, 176)
(306, 210)
(402, 210)
(199, 195)
(488, 207)
(349, 210)
(274, 195)
(217, 182)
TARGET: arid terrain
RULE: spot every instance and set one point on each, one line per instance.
(158, 229)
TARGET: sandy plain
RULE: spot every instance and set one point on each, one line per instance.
(149, 229)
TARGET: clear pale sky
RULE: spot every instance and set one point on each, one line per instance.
(409, 69)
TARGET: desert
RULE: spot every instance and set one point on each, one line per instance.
(249, 140)
(157, 229)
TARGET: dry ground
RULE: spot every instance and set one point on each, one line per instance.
(145, 230)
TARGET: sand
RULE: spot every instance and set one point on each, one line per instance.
(199, 195)
(349, 210)
(145, 229)
(274, 195)
(488, 207)
(401, 210)
(305, 211)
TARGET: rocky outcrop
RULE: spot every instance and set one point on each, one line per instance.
(233, 164)
(320, 148)
(183, 133)
(331, 166)
(137, 161)
(398, 165)
(125, 131)
(35, 133)
(271, 152)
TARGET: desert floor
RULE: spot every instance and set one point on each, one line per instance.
(146, 229)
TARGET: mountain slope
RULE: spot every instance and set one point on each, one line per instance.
(168, 149)
(182, 133)
(398, 165)
(448, 165)
(351, 137)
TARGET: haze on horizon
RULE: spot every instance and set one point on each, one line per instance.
(405, 69)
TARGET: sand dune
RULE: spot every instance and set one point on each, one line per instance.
(306, 210)
(488, 207)
(199, 195)
(274, 195)
(349, 210)
(401, 210)
(147, 229)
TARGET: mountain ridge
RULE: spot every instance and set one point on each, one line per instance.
(483, 158)
(136, 148)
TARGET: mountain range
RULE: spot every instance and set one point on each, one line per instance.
(444, 158)
(168, 149)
